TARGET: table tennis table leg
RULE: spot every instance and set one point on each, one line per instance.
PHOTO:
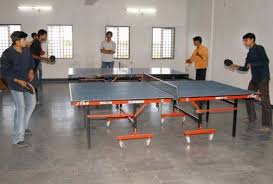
(134, 124)
(200, 116)
(88, 125)
(207, 115)
(235, 112)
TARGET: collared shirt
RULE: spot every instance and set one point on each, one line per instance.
(259, 63)
(16, 65)
(107, 46)
(200, 62)
(36, 49)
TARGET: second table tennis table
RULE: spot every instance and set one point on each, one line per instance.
(156, 91)
(103, 74)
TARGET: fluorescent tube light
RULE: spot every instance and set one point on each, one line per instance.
(142, 11)
(35, 8)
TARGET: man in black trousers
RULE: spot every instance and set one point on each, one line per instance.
(258, 62)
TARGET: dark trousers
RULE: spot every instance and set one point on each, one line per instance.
(107, 64)
(201, 74)
(263, 88)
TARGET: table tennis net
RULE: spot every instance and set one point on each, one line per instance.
(160, 84)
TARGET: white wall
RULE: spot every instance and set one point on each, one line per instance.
(199, 15)
(89, 25)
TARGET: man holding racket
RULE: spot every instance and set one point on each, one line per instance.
(200, 57)
(258, 62)
(18, 72)
(36, 50)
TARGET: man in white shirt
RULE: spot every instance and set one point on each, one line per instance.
(107, 49)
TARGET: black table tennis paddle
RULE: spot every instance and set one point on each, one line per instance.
(52, 60)
(228, 62)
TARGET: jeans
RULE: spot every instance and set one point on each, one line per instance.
(24, 106)
(201, 74)
(263, 88)
(107, 64)
(40, 73)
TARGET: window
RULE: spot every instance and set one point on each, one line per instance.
(121, 36)
(163, 43)
(60, 42)
(5, 32)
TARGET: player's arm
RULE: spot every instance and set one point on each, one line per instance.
(36, 54)
(31, 70)
(7, 73)
(191, 60)
(244, 68)
(36, 57)
(6, 65)
(104, 51)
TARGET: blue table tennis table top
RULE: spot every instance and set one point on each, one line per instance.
(145, 90)
(108, 72)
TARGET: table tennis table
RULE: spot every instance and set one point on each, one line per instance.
(103, 74)
(156, 91)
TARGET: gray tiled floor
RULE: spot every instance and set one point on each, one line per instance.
(59, 151)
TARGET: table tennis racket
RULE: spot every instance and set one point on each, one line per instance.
(52, 60)
(30, 88)
(228, 62)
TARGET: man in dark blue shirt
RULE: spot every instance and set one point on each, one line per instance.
(17, 67)
(258, 62)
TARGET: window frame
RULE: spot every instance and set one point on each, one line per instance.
(173, 55)
(11, 33)
(72, 39)
(129, 50)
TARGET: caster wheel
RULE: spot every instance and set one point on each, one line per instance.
(121, 144)
(188, 139)
(211, 137)
(108, 123)
(162, 121)
(148, 142)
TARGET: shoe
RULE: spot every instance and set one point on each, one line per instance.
(22, 144)
(28, 132)
(266, 129)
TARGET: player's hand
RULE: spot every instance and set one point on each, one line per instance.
(188, 61)
(22, 83)
(31, 75)
(233, 67)
(47, 60)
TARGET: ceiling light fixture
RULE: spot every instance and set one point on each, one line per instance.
(141, 11)
(35, 8)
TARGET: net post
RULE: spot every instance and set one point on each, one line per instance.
(161, 85)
